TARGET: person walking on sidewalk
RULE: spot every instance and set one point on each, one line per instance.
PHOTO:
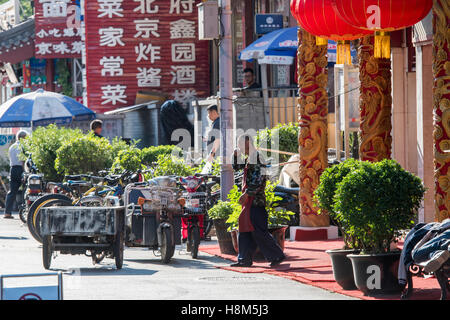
(16, 172)
(253, 221)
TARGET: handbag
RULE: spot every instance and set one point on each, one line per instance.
(245, 223)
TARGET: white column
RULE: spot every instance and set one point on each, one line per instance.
(424, 76)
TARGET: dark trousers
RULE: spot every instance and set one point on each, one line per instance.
(14, 185)
(260, 237)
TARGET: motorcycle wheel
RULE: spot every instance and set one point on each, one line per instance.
(194, 238)
(208, 223)
(118, 250)
(23, 214)
(47, 251)
(33, 217)
(167, 246)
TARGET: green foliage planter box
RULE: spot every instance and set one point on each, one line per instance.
(376, 274)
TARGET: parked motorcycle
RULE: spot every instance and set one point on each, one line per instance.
(199, 197)
(32, 188)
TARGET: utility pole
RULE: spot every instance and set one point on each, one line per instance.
(226, 96)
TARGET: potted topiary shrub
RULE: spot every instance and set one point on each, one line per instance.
(277, 217)
(220, 213)
(324, 198)
(374, 204)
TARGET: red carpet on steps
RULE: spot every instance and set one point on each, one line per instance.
(307, 262)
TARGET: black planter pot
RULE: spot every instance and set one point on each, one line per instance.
(342, 268)
(376, 273)
(223, 237)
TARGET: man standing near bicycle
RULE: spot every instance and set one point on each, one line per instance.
(15, 172)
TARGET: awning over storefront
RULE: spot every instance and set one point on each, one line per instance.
(17, 43)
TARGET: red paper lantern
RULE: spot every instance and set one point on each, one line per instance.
(320, 19)
(382, 17)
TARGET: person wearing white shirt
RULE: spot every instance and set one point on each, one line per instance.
(16, 172)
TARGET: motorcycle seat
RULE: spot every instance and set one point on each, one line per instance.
(282, 189)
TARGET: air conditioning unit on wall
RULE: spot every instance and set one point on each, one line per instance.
(208, 20)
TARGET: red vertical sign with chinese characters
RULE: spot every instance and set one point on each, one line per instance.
(58, 32)
(143, 45)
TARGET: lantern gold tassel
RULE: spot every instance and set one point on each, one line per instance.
(382, 48)
(321, 41)
(343, 53)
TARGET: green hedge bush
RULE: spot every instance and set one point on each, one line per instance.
(85, 154)
(168, 165)
(325, 192)
(287, 135)
(376, 202)
(44, 144)
(151, 154)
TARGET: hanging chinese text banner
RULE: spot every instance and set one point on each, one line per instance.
(58, 32)
(143, 45)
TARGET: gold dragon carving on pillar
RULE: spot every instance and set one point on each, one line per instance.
(441, 102)
(375, 103)
(312, 112)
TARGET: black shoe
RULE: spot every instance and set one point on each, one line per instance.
(277, 262)
(241, 264)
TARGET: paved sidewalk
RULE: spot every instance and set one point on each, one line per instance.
(308, 263)
(145, 277)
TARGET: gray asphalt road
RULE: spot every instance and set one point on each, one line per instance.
(143, 275)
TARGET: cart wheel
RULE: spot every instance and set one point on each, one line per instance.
(167, 247)
(195, 241)
(47, 251)
(118, 250)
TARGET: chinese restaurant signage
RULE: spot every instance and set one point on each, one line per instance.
(143, 45)
(58, 32)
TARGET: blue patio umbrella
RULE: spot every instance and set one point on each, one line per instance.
(277, 47)
(280, 47)
(41, 108)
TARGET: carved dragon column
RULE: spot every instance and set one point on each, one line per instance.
(313, 112)
(375, 103)
(441, 102)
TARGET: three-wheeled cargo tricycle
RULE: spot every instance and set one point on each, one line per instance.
(153, 218)
(80, 230)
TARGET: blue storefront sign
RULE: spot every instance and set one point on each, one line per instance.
(266, 23)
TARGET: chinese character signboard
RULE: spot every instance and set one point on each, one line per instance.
(143, 45)
(265, 23)
(58, 32)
